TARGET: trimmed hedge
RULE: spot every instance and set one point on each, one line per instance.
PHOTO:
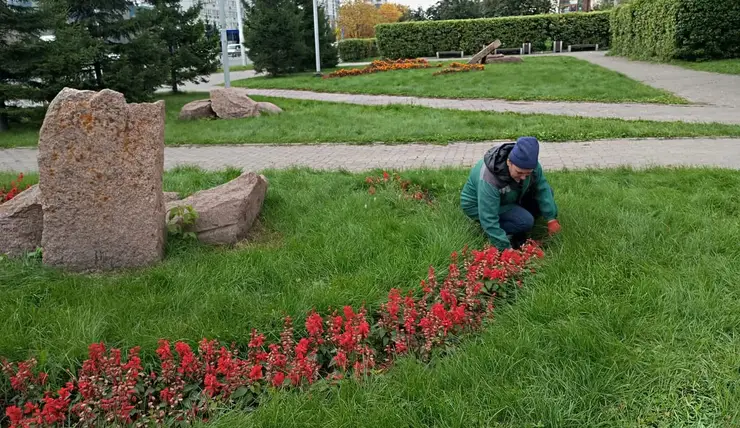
(423, 39)
(356, 49)
(676, 29)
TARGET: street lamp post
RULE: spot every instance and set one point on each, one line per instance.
(224, 44)
(316, 36)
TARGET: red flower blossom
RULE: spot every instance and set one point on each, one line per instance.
(314, 324)
(278, 379)
(255, 373)
(341, 359)
(15, 414)
(257, 340)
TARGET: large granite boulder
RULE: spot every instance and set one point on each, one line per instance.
(200, 109)
(226, 212)
(100, 175)
(21, 223)
(233, 103)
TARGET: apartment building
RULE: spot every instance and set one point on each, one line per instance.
(211, 13)
(331, 9)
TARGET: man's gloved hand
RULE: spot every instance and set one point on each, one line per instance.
(553, 227)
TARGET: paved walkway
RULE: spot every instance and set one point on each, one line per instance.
(597, 154)
(656, 112)
(696, 86)
(214, 80)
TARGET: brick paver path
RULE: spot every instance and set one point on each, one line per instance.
(597, 154)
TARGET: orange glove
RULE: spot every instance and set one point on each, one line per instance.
(553, 227)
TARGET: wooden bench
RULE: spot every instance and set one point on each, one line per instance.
(583, 47)
(515, 51)
(450, 54)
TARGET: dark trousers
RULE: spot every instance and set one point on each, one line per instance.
(519, 220)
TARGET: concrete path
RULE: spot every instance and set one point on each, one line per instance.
(696, 86)
(214, 80)
(553, 156)
(656, 112)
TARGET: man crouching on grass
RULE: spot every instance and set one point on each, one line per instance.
(507, 190)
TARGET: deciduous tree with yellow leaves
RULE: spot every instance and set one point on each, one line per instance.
(392, 12)
(357, 19)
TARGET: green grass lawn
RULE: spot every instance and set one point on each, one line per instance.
(633, 320)
(547, 78)
(726, 66)
(321, 122)
(237, 68)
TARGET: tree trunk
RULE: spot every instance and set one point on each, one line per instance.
(173, 77)
(98, 75)
(173, 72)
(4, 125)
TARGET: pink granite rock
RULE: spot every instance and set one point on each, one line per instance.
(100, 174)
(21, 223)
(200, 109)
(233, 103)
(269, 108)
(226, 212)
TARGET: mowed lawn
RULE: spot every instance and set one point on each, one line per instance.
(633, 319)
(725, 66)
(544, 78)
(321, 122)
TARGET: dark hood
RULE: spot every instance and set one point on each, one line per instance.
(495, 161)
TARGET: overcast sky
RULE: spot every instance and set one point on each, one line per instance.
(413, 4)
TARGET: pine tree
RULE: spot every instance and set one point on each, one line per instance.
(192, 52)
(99, 45)
(21, 54)
(329, 56)
(274, 37)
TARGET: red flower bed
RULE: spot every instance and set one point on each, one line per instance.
(458, 67)
(188, 384)
(378, 66)
(16, 187)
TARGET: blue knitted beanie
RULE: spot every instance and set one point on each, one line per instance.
(525, 153)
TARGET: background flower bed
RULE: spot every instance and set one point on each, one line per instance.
(556, 78)
(381, 65)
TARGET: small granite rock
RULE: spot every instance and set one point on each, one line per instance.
(21, 223)
(200, 109)
(233, 103)
(494, 59)
(269, 108)
(171, 196)
(226, 212)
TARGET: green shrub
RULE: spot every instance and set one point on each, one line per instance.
(420, 39)
(676, 29)
(708, 29)
(356, 49)
(581, 28)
